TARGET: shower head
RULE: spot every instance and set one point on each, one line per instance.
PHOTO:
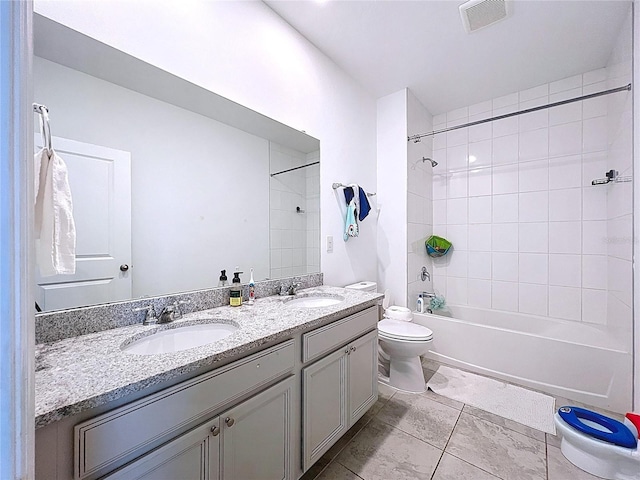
(433, 162)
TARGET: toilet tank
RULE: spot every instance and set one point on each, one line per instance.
(363, 286)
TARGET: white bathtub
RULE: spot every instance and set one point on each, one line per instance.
(570, 359)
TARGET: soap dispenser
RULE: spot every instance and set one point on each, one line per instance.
(223, 278)
(235, 292)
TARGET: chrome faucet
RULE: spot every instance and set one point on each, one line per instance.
(149, 315)
(168, 314)
(291, 290)
(176, 306)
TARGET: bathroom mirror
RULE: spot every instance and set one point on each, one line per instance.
(171, 182)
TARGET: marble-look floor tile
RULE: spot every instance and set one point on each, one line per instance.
(452, 468)
(385, 392)
(381, 452)
(505, 422)
(562, 469)
(335, 471)
(497, 450)
(418, 415)
(450, 402)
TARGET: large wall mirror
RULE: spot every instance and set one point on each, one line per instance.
(171, 183)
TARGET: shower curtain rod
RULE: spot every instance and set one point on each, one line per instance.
(295, 168)
(418, 137)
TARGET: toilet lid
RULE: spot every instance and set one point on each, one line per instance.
(598, 426)
(399, 330)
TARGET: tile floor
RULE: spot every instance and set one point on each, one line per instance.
(427, 436)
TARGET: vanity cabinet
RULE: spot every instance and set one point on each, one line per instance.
(249, 441)
(339, 387)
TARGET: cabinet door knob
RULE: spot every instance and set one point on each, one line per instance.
(229, 421)
(215, 430)
(124, 267)
(353, 349)
(347, 351)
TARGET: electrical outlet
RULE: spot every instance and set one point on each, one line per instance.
(329, 243)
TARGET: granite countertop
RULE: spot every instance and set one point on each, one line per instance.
(79, 373)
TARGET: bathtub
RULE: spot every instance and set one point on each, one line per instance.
(579, 361)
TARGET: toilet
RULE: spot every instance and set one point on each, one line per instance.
(600, 445)
(402, 342)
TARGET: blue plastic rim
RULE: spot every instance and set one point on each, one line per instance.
(618, 433)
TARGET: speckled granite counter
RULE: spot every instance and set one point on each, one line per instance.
(75, 374)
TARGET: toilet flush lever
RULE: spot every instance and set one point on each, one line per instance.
(424, 274)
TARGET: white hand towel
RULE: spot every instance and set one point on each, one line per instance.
(54, 226)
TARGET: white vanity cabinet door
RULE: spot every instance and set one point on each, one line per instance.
(337, 391)
(363, 375)
(257, 436)
(324, 397)
(191, 456)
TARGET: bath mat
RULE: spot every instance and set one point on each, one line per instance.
(524, 406)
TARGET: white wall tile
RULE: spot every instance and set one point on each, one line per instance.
(594, 107)
(480, 209)
(505, 208)
(565, 84)
(565, 270)
(594, 134)
(565, 237)
(456, 290)
(481, 152)
(533, 237)
(594, 237)
(565, 205)
(565, 139)
(504, 266)
(457, 187)
(440, 212)
(477, 133)
(480, 237)
(504, 237)
(533, 268)
(505, 179)
(458, 114)
(505, 149)
(457, 137)
(480, 265)
(594, 306)
(481, 107)
(594, 76)
(533, 299)
(594, 165)
(535, 92)
(479, 293)
(533, 176)
(458, 263)
(565, 302)
(594, 202)
(505, 126)
(504, 296)
(505, 101)
(534, 207)
(534, 144)
(439, 187)
(457, 211)
(571, 112)
(594, 271)
(457, 157)
(479, 182)
(565, 172)
(533, 120)
(458, 235)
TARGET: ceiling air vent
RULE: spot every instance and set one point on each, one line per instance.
(477, 14)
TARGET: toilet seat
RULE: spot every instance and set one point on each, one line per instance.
(606, 429)
(404, 331)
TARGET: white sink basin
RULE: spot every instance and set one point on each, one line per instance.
(180, 338)
(314, 301)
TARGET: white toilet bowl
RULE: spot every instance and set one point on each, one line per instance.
(403, 342)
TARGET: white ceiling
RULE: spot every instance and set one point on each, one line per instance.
(390, 45)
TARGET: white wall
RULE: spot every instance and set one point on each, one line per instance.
(392, 195)
(419, 199)
(192, 179)
(245, 52)
(636, 202)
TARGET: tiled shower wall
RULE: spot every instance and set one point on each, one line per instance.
(515, 198)
(294, 235)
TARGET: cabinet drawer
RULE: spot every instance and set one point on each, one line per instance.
(325, 339)
(118, 436)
